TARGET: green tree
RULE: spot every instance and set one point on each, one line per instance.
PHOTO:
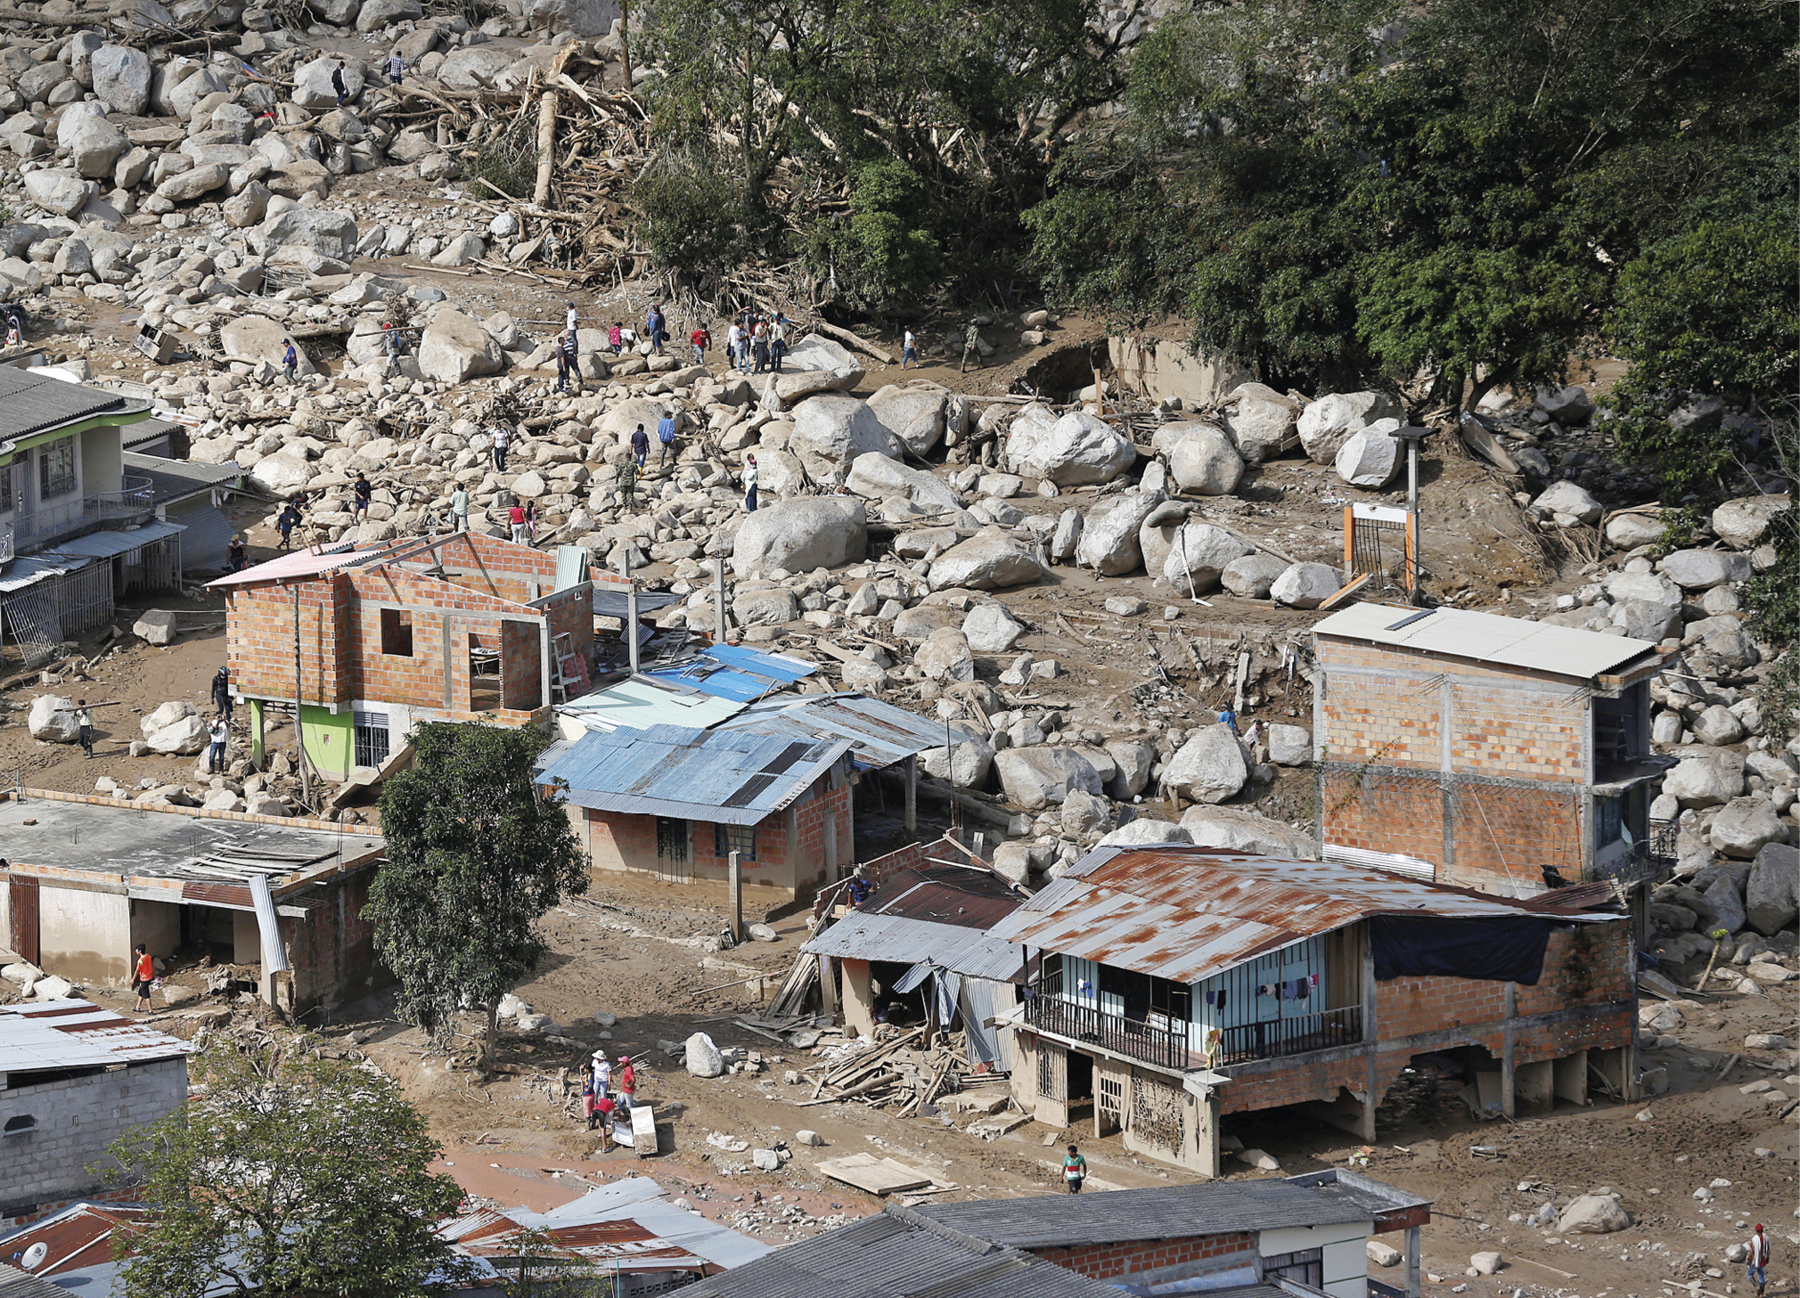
(286, 1176)
(475, 857)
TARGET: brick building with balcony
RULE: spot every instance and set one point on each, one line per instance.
(371, 642)
(1170, 988)
(1513, 755)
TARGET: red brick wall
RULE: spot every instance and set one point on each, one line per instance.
(332, 950)
(1108, 1261)
(259, 642)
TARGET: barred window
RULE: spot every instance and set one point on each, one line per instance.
(56, 469)
(7, 502)
(735, 838)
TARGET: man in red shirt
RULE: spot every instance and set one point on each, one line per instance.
(701, 340)
(143, 974)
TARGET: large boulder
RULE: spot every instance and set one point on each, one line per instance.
(1718, 726)
(1326, 424)
(1108, 541)
(1743, 523)
(377, 14)
(478, 67)
(255, 338)
(1371, 457)
(312, 81)
(991, 629)
(945, 656)
(770, 607)
(1145, 832)
(817, 353)
(1239, 830)
(966, 765)
(1706, 781)
(913, 415)
(1568, 503)
(330, 234)
(1262, 423)
(1204, 461)
(1042, 775)
(1289, 745)
(989, 560)
(1592, 1214)
(1076, 450)
(1210, 767)
(832, 430)
(581, 17)
(455, 347)
(1721, 906)
(1201, 552)
(58, 191)
(52, 720)
(703, 1057)
(94, 144)
(879, 476)
(1744, 826)
(284, 473)
(1772, 891)
(121, 77)
(1252, 576)
(1305, 585)
(1621, 586)
(1629, 531)
(179, 738)
(195, 183)
(1704, 569)
(800, 535)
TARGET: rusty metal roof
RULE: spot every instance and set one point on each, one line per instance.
(1186, 913)
(49, 1035)
(78, 1237)
(963, 895)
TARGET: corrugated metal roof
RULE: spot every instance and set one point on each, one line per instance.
(967, 896)
(301, 563)
(48, 1035)
(642, 702)
(884, 1257)
(609, 602)
(1186, 913)
(33, 568)
(37, 403)
(694, 774)
(1487, 637)
(735, 672)
(15, 1283)
(107, 545)
(902, 940)
(880, 734)
(175, 479)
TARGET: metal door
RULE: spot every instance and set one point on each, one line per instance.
(24, 898)
(674, 861)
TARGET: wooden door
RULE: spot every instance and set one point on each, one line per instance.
(24, 898)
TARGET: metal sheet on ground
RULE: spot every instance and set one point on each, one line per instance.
(643, 1130)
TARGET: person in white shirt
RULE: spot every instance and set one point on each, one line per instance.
(909, 350)
(750, 484)
(734, 346)
(570, 318)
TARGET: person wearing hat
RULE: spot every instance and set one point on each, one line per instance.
(627, 1084)
(237, 555)
(1758, 1259)
(601, 1068)
(221, 692)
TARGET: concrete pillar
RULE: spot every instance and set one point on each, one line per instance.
(912, 796)
(1508, 1102)
(1412, 1262)
(735, 898)
(859, 997)
(256, 733)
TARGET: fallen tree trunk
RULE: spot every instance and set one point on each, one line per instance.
(851, 340)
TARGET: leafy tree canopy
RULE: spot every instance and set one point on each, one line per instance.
(474, 859)
(286, 1175)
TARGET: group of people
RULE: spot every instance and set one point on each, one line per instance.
(602, 1107)
(754, 344)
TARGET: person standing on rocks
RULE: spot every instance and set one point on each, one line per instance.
(972, 347)
(640, 445)
(502, 439)
(665, 433)
(615, 338)
(777, 341)
(759, 345)
(734, 347)
(219, 734)
(654, 328)
(701, 340)
(515, 518)
(390, 343)
(221, 693)
(571, 318)
(567, 362)
(290, 360)
(362, 493)
(749, 484)
(909, 350)
(396, 68)
(285, 522)
(1758, 1259)
(459, 509)
(337, 84)
(628, 476)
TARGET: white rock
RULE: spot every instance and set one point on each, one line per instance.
(121, 76)
(1197, 551)
(1326, 424)
(1744, 826)
(455, 347)
(1289, 745)
(1109, 535)
(800, 535)
(1239, 830)
(831, 430)
(52, 719)
(1209, 767)
(989, 560)
(1383, 1254)
(312, 81)
(256, 338)
(913, 415)
(1205, 462)
(1743, 523)
(1305, 585)
(990, 629)
(183, 737)
(156, 626)
(1592, 1214)
(1263, 421)
(1704, 569)
(879, 477)
(967, 768)
(1570, 500)
(61, 192)
(52, 988)
(1143, 832)
(1077, 449)
(1486, 1263)
(1251, 576)
(1261, 1161)
(282, 474)
(1041, 775)
(1706, 781)
(1370, 457)
(703, 1057)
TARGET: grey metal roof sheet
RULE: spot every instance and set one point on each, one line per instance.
(15, 1283)
(174, 479)
(1186, 913)
(44, 1036)
(640, 702)
(106, 545)
(861, 935)
(36, 403)
(700, 775)
(616, 603)
(880, 734)
(885, 1257)
(1162, 1212)
(1487, 637)
(33, 568)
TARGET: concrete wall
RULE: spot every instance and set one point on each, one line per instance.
(1343, 1247)
(102, 459)
(157, 924)
(77, 1118)
(1161, 367)
(330, 740)
(85, 936)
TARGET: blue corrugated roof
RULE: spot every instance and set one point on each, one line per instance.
(734, 672)
(706, 775)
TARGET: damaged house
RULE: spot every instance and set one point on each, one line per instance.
(1171, 987)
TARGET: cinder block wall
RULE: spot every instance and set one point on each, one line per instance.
(77, 1118)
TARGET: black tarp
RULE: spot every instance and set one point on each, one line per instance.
(1496, 950)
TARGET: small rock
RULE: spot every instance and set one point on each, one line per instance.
(1383, 1254)
(763, 933)
(1261, 1161)
(805, 1136)
(766, 1160)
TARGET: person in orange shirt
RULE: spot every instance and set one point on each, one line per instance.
(142, 975)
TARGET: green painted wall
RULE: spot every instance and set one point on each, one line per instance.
(330, 741)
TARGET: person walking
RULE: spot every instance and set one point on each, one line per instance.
(565, 359)
(972, 347)
(459, 509)
(285, 522)
(396, 68)
(219, 734)
(84, 723)
(570, 317)
(615, 337)
(290, 360)
(909, 350)
(502, 440)
(1074, 1170)
(143, 977)
(749, 484)
(734, 347)
(640, 445)
(701, 340)
(777, 342)
(1757, 1257)
(665, 433)
(337, 84)
(221, 693)
(628, 476)
(531, 519)
(361, 493)
(390, 344)
(1228, 718)
(654, 329)
(515, 518)
(759, 345)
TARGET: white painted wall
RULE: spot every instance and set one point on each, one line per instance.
(1342, 1247)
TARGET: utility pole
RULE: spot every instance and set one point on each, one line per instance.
(719, 599)
(631, 613)
(1413, 436)
(299, 735)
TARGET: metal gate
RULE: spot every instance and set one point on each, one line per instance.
(674, 862)
(1052, 1071)
(1379, 543)
(24, 909)
(371, 738)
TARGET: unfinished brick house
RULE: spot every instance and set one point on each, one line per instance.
(1172, 987)
(1510, 754)
(672, 803)
(374, 641)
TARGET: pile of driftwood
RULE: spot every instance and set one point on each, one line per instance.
(902, 1071)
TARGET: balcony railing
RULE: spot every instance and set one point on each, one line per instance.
(1295, 1036)
(1114, 1032)
(135, 498)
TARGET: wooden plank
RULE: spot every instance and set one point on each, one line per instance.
(1345, 592)
(877, 1176)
